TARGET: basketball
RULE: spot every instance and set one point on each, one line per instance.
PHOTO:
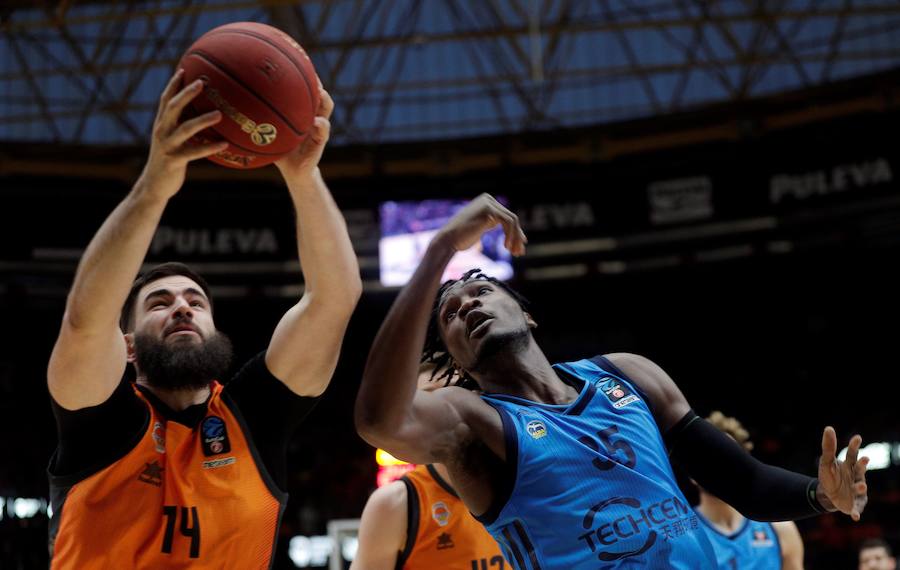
(263, 83)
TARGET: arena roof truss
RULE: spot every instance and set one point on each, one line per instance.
(90, 72)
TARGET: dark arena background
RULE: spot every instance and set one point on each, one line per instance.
(712, 184)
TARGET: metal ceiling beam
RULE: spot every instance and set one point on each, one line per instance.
(593, 74)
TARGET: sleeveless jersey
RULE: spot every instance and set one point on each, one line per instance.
(441, 533)
(592, 486)
(754, 546)
(180, 498)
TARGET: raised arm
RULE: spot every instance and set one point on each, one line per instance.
(306, 344)
(759, 491)
(89, 356)
(390, 413)
(382, 529)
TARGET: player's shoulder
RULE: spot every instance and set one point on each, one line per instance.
(390, 498)
(628, 359)
(785, 528)
(461, 398)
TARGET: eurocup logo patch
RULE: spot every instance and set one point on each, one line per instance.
(536, 429)
(440, 513)
(618, 393)
(214, 436)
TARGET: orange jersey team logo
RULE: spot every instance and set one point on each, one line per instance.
(441, 531)
(180, 498)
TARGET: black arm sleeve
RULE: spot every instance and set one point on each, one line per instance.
(760, 492)
(271, 411)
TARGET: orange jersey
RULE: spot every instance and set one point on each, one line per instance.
(441, 533)
(180, 498)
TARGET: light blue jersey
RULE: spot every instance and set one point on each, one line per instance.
(592, 485)
(754, 546)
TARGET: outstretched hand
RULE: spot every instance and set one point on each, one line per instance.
(480, 215)
(843, 482)
(304, 159)
(170, 150)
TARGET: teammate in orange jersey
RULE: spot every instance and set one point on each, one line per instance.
(419, 522)
(174, 470)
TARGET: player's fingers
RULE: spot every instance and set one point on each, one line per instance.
(193, 152)
(176, 104)
(169, 91)
(326, 104)
(321, 130)
(853, 449)
(511, 230)
(859, 470)
(193, 126)
(515, 234)
(829, 445)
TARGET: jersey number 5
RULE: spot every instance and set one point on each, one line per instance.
(190, 530)
(610, 445)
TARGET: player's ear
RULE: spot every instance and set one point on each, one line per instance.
(129, 347)
(529, 320)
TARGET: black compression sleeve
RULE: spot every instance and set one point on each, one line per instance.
(723, 468)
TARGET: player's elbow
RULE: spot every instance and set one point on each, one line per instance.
(371, 425)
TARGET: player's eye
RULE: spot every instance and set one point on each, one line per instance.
(449, 315)
(196, 303)
(484, 290)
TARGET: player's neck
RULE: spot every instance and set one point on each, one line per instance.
(442, 471)
(527, 374)
(720, 513)
(177, 400)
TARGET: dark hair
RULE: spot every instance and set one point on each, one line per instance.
(435, 351)
(172, 268)
(876, 543)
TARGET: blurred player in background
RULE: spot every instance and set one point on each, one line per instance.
(565, 465)
(875, 554)
(740, 543)
(419, 523)
(173, 470)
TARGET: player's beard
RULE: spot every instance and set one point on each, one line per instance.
(182, 365)
(493, 345)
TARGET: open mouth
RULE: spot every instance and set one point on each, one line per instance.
(478, 323)
(183, 330)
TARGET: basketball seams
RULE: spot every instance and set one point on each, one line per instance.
(263, 38)
(217, 64)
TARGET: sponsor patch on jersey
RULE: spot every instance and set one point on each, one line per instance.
(761, 539)
(440, 513)
(214, 436)
(159, 437)
(536, 429)
(152, 474)
(617, 392)
(214, 463)
(444, 541)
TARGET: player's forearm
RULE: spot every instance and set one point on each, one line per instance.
(759, 491)
(113, 259)
(390, 377)
(329, 264)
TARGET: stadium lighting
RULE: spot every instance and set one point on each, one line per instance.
(879, 454)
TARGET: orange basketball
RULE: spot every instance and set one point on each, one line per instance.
(263, 83)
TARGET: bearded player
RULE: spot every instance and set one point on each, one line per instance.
(175, 470)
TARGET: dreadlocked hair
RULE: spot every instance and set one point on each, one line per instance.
(435, 352)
